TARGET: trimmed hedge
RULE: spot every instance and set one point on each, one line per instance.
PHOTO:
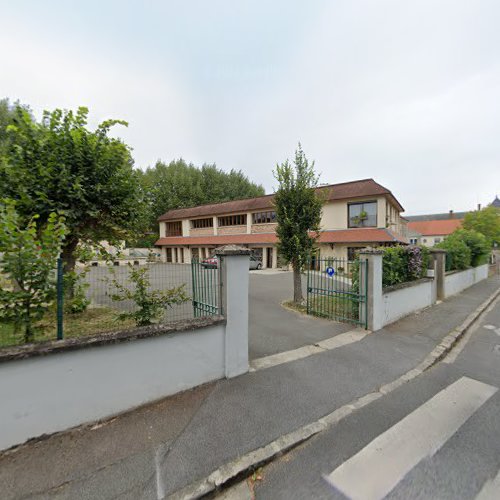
(465, 248)
(401, 264)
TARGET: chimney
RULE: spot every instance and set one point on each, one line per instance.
(479, 207)
(451, 214)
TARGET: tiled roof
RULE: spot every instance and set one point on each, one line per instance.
(345, 190)
(362, 235)
(435, 227)
(443, 216)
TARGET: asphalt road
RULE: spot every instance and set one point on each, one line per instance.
(435, 437)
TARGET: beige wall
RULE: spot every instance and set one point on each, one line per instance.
(430, 241)
(186, 227)
(335, 213)
(162, 229)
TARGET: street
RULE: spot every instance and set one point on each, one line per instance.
(437, 436)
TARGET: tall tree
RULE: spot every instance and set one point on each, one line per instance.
(298, 213)
(59, 165)
(486, 222)
(179, 185)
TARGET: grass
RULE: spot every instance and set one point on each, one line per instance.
(92, 321)
(327, 307)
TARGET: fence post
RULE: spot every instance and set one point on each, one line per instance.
(60, 299)
(371, 282)
(234, 263)
(439, 258)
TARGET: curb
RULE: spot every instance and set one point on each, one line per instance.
(238, 467)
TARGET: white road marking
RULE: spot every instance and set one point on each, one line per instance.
(489, 327)
(374, 471)
(159, 456)
(303, 352)
(490, 489)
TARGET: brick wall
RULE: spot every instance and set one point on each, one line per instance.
(232, 230)
(202, 231)
(263, 228)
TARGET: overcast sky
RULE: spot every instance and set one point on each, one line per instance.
(406, 92)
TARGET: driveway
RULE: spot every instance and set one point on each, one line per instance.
(275, 329)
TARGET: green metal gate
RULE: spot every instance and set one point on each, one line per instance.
(337, 289)
(206, 282)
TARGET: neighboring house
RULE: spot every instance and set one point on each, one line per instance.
(429, 230)
(355, 215)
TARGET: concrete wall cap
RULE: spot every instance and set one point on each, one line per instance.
(232, 250)
(437, 250)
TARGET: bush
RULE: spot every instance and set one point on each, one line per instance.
(477, 243)
(458, 254)
(403, 263)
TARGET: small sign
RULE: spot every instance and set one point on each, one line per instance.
(330, 271)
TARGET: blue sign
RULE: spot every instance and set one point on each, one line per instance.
(330, 271)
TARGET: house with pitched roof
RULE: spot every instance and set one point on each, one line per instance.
(355, 215)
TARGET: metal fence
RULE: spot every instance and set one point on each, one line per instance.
(333, 290)
(99, 299)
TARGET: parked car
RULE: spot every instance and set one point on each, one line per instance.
(213, 263)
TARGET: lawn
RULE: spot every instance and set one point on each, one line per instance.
(93, 320)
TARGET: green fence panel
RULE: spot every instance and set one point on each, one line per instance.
(206, 289)
(333, 290)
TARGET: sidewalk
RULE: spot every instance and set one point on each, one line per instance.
(157, 450)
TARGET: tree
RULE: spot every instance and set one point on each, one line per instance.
(180, 185)
(28, 260)
(298, 214)
(486, 222)
(59, 165)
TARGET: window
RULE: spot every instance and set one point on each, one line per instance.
(413, 241)
(233, 220)
(264, 217)
(173, 228)
(437, 240)
(201, 223)
(362, 214)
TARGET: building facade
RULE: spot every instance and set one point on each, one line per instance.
(355, 215)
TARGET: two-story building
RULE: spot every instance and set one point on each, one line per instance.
(355, 215)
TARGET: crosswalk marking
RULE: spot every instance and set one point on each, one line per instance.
(374, 471)
(490, 489)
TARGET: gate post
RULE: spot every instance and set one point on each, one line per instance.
(370, 283)
(234, 266)
(438, 256)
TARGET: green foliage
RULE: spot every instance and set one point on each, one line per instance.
(28, 262)
(465, 247)
(486, 222)
(401, 264)
(151, 305)
(180, 185)
(458, 254)
(75, 302)
(477, 243)
(298, 214)
(298, 209)
(59, 165)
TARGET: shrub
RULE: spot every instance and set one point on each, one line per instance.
(404, 263)
(458, 254)
(477, 243)
(150, 304)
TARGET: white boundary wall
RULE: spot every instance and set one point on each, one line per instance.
(403, 301)
(45, 394)
(66, 387)
(457, 281)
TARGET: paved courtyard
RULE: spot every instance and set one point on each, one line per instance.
(275, 329)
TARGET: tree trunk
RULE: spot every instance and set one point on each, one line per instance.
(69, 263)
(297, 285)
